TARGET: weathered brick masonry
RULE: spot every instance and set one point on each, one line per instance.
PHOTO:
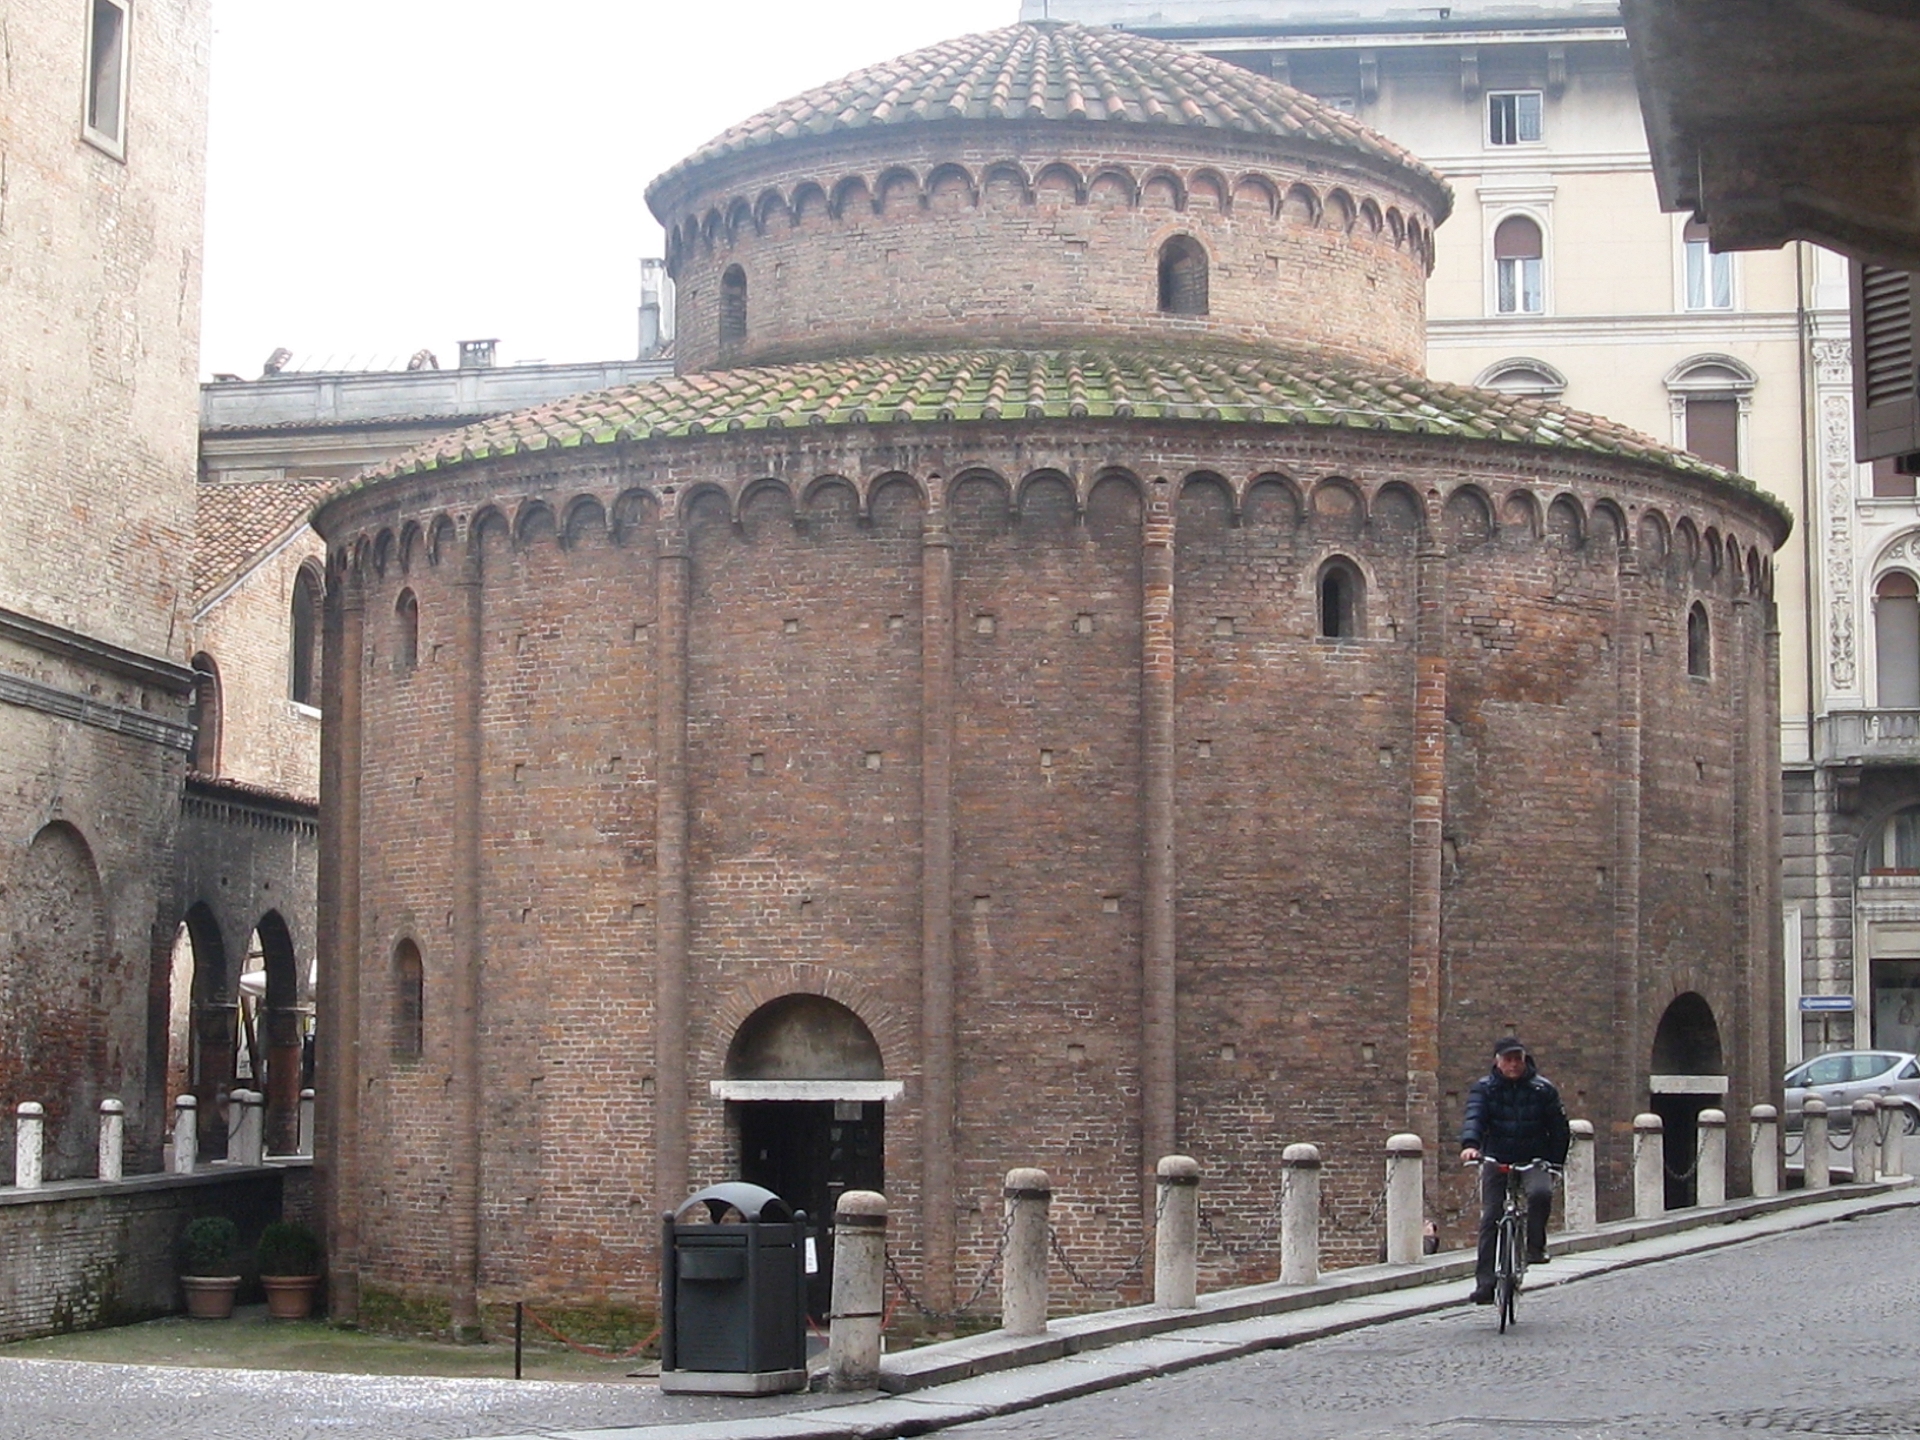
(1158, 742)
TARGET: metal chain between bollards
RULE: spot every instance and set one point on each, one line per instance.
(1366, 1225)
(1133, 1267)
(1790, 1145)
(986, 1279)
(1680, 1177)
(1840, 1143)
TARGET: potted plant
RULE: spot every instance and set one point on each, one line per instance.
(207, 1271)
(289, 1259)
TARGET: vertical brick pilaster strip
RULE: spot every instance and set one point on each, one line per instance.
(1734, 662)
(1427, 823)
(1159, 1095)
(673, 596)
(343, 638)
(1769, 912)
(1629, 640)
(463, 1224)
(936, 898)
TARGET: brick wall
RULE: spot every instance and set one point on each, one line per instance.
(1591, 788)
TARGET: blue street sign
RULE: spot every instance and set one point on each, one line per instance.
(1826, 1002)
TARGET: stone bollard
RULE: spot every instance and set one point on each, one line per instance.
(1710, 1173)
(29, 1144)
(859, 1291)
(1815, 1159)
(113, 1139)
(1023, 1277)
(1405, 1202)
(304, 1145)
(1579, 1209)
(186, 1134)
(1299, 1215)
(1765, 1146)
(1893, 1122)
(1866, 1140)
(1649, 1167)
(1176, 1233)
(246, 1116)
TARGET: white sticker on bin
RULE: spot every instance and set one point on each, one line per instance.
(813, 1258)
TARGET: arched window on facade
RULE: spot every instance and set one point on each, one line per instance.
(1710, 397)
(733, 307)
(1523, 376)
(1341, 593)
(1519, 267)
(1183, 277)
(305, 659)
(1896, 641)
(204, 715)
(1709, 277)
(409, 1002)
(1699, 643)
(406, 632)
(1894, 849)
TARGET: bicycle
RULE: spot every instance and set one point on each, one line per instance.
(1510, 1239)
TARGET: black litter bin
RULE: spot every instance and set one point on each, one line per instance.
(733, 1295)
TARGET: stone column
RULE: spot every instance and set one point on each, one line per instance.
(1765, 1145)
(29, 1144)
(1406, 1201)
(1176, 1234)
(1159, 1100)
(113, 1139)
(467, 957)
(1579, 1207)
(304, 1143)
(936, 899)
(1893, 1123)
(1023, 1283)
(1816, 1160)
(673, 581)
(186, 1135)
(1865, 1159)
(1426, 840)
(1299, 1215)
(1710, 1172)
(1649, 1168)
(859, 1291)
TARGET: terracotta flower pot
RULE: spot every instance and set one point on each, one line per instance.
(210, 1297)
(289, 1297)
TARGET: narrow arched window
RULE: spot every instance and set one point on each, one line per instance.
(409, 1002)
(406, 632)
(1340, 595)
(203, 715)
(1519, 267)
(1896, 641)
(733, 307)
(305, 686)
(1699, 646)
(1183, 277)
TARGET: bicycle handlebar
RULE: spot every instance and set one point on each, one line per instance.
(1506, 1167)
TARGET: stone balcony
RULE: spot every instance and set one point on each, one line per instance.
(1867, 737)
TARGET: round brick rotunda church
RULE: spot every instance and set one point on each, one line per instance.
(1049, 683)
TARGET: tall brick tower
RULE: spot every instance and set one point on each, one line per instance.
(1050, 682)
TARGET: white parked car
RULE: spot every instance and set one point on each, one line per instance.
(1843, 1076)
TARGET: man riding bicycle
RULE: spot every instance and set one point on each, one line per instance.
(1514, 1116)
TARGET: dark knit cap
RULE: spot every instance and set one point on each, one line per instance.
(1506, 1043)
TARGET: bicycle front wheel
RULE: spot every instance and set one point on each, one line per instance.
(1506, 1274)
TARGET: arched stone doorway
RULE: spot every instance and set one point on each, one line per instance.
(1689, 1075)
(808, 1088)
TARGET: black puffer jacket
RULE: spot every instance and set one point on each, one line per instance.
(1516, 1120)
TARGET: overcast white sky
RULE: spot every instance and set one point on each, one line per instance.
(391, 174)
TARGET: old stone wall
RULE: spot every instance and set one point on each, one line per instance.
(1594, 795)
(961, 239)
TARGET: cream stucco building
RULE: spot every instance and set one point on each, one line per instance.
(1559, 274)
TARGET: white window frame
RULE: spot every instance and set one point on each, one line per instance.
(1517, 143)
(113, 143)
(1685, 383)
(1496, 217)
(1683, 274)
(1555, 386)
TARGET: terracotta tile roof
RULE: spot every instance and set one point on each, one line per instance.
(1052, 71)
(237, 521)
(1238, 387)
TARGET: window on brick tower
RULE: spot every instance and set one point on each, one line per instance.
(1340, 594)
(406, 632)
(1896, 641)
(106, 99)
(203, 716)
(1183, 277)
(409, 1002)
(1699, 643)
(1519, 265)
(304, 684)
(733, 307)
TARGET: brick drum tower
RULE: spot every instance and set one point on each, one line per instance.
(1049, 682)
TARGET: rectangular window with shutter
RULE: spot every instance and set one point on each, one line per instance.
(1885, 403)
(1713, 429)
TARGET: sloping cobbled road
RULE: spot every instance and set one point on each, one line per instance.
(1815, 1333)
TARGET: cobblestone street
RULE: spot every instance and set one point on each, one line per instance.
(1814, 1333)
